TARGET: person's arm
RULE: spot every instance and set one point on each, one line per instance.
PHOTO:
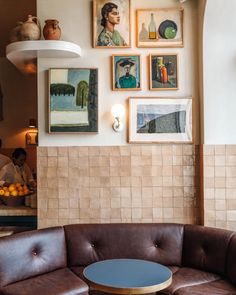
(30, 178)
(3, 173)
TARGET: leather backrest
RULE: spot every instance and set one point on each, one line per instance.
(31, 253)
(206, 248)
(231, 260)
(88, 243)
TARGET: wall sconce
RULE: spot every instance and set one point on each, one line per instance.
(118, 112)
(31, 137)
(32, 123)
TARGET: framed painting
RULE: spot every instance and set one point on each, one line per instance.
(155, 119)
(111, 23)
(126, 71)
(73, 100)
(163, 71)
(159, 27)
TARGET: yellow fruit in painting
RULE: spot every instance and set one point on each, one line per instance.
(7, 194)
(2, 192)
(12, 187)
(5, 188)
(14, 193)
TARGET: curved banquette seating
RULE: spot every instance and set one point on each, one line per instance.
(51, 261)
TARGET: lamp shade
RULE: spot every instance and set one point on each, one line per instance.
(32, 123)
(118, 110)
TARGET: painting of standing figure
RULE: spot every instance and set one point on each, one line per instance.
(111, 23)
(163, 72)
(73, 100)
(126, 72)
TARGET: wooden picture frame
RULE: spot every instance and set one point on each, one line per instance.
(159, 27)
(160, 120)
(126, 72)
(73, 100)
(111, 23)
(163, 72)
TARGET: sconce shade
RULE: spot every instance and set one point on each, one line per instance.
(118, 110)
(32, 123)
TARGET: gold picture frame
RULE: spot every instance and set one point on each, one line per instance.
(160, 120)
(159, 27)
(126, 72)
(163, 72)
(111, 24)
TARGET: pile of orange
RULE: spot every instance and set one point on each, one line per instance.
(14, 190)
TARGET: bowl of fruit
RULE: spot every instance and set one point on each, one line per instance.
(14, 194)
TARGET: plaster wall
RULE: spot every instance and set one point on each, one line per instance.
(219, 72)
(75, 17)
(19, 91)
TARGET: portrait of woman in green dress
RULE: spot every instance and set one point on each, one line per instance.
(111, 27)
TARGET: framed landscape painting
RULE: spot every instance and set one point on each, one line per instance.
(163, 73)
(73, 100)
(159, 27)
(111, 23)
(126, 71)
(155, 119)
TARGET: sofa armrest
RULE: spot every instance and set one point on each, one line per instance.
(31, 253)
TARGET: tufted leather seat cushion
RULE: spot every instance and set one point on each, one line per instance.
(206, 248)
(185, 277)
(88, 243)
(58, 282)
(220, 287)
(29, 254)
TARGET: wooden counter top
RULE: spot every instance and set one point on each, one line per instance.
(17, 211)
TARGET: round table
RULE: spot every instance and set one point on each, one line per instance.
(127, 276)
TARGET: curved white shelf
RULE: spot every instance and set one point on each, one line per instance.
(24, 53)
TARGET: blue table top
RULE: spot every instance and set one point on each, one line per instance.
(127, 273)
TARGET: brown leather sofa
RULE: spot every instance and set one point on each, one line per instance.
(50, 261)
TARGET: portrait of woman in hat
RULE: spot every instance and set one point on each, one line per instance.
(126, 70)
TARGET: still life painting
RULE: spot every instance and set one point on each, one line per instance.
(126, 72)
(160, 27)
(163, 72)
(111, 23)
(155, 119)
(73, 100)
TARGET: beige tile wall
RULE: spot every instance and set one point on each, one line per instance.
(134, 183)
(220, 186)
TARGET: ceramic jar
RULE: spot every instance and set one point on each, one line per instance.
(51, 30)
(30, 30)
(15, 33)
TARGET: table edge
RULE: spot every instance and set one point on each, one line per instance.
(138, 290)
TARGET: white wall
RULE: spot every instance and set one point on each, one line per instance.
(219, 60)
(75, 17)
